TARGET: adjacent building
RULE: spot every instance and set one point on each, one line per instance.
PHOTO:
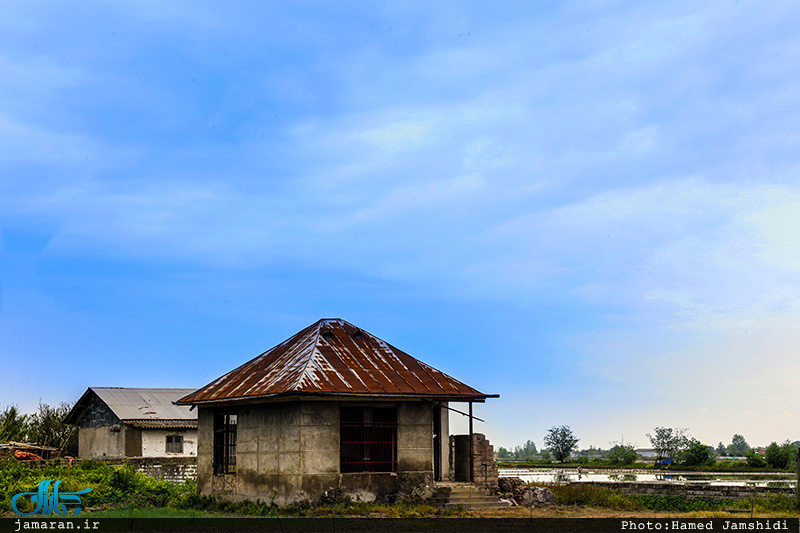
(331, 408)
(129, 422)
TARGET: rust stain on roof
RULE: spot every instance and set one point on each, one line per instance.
(333, 356)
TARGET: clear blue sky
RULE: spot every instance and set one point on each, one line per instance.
(592, 209)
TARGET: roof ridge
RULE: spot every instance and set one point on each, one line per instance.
(308, 361)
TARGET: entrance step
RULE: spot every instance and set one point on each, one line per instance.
(466, 495)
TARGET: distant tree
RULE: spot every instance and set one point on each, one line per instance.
(781, 456)
(502, 453)
(754, 459)
(13, 425)
(622, 454)
(721, 449)
(696, 453)
(561, 442)
(47, 428)
(528, 450)
(738, 446)
(545, 454)
(667, 442)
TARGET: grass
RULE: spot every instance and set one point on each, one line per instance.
(121, 492)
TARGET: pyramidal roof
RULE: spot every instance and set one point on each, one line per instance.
(333, 357)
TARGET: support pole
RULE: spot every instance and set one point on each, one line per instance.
(471, 450)
(797, 486)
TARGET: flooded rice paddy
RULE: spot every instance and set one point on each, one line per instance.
(567, 475)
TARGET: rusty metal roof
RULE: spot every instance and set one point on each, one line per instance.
(333, 357)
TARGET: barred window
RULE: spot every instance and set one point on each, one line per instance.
(368, 439)
(224, 461)
(174, 443)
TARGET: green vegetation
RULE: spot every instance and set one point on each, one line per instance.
(123, 492)
(45, 427)
(622, 454)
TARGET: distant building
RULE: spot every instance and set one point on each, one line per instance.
(121, 422)
(647, 453)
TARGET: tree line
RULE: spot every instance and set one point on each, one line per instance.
(45, 427)
(670, 445)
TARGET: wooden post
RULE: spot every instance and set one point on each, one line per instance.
(797, 487)
(471, 450)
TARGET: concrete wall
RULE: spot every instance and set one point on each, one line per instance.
(293, 448)
(101, 442)
(154, 442)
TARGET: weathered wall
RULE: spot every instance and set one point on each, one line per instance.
(693, 490)
(175, 469)
(95, 435)
(154, 442)
(445, 441)
(293, 448)
(101, 442)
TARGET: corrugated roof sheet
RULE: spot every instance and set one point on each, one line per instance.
(163, 424)
(333, 356)
(136, 404)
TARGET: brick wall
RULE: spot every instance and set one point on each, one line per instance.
(173, 469)
(484, 465)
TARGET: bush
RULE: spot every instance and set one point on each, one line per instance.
(754, 459)
(696, 454)
(622, 455)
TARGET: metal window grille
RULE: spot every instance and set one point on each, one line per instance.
(224, 443)
(368, 439)
(174, 444)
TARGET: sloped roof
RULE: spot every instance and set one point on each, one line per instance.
(136, 404)
(333, 357)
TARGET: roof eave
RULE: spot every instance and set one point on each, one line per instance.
(388, 396)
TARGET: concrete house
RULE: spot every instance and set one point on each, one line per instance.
(120, 422)
(332, 407)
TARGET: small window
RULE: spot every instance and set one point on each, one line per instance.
(224, 461)
(368, 439)
(174, 443)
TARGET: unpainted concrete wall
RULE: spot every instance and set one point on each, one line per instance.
(101, 442)
(293, 448)
(154, 442)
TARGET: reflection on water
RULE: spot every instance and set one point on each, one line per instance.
(572, 475)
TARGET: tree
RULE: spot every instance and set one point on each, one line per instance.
(754, 459)
(781, 456)
(47, 428)
(738, 446)
(561, 442)
(502, 453)
(545, 455)
(667, 442)
(622, 454)
(528, 450)
(721, 450)
(696, 453)
(13, 425)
